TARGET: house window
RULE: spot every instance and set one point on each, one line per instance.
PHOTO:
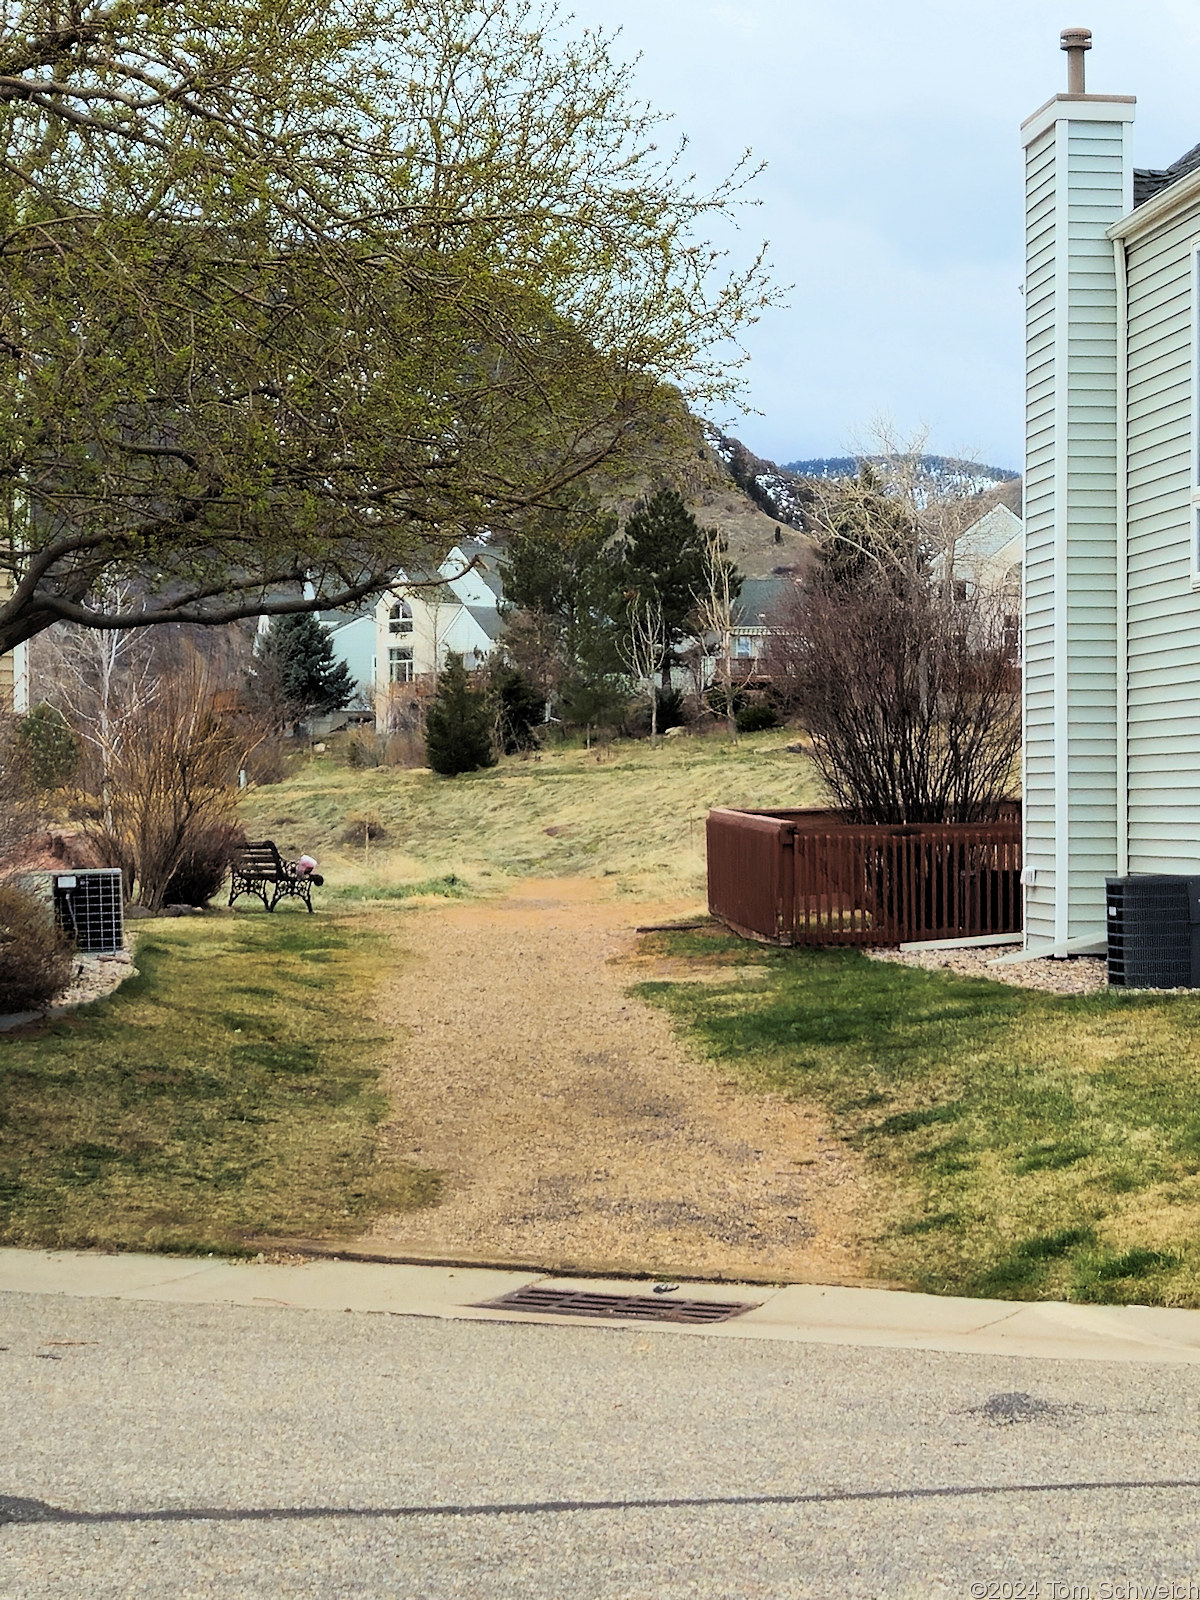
(743, 649)
(400, 620)
(400, 663)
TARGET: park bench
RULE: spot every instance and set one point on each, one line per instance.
(257, 868)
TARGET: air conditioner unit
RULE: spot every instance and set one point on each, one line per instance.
(89, 907)
(1154, 931)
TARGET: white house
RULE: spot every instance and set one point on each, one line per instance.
(408, 633)
(986, 557)
(1112, 512)
(14, 668)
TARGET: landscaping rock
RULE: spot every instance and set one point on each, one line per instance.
(1072, 975)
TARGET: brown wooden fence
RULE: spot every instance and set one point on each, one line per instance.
(806, 877)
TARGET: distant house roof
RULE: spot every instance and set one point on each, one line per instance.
(1148, 181)
(488, 619)
(334, 620)
(487, 563)
(989, 535)
(758, 599)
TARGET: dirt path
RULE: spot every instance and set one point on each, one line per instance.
(572, 1128)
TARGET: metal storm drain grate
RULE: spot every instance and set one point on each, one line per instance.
(623, 1307)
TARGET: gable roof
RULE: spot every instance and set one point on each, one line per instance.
(758, 599)
(989, 535)
(487, 619)
(1149, 181)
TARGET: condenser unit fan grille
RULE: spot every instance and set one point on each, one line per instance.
(89, 907)
(1154, 932)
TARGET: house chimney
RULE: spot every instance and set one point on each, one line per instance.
(1075, 41)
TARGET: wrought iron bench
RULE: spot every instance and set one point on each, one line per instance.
(257, 868)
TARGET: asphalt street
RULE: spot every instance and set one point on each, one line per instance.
(226, 1451)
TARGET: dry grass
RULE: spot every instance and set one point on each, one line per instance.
(629, 812)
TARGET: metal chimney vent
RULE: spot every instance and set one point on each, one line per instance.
(89, 906)
(1154, 931)
(1075, 41)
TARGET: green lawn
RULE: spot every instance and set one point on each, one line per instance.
(228, 1091)
(1024, 1145)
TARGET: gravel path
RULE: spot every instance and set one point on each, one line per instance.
(573, 1129)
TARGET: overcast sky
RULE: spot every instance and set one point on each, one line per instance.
(892, 198)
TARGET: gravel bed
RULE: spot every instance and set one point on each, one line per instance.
(94, 977)
(1072, 975)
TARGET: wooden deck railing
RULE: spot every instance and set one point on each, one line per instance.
(806, 877)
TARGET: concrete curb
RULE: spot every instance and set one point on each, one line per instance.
(796, 1313)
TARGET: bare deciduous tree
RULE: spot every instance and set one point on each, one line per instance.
(101, 680)
(173, 775)
(904, 679)
(714, 613)
(19, 814)
(643, 645)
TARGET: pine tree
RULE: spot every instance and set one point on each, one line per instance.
(660, 560)
(518, 708)
(50, 747)
(458, 725)
(296, 672)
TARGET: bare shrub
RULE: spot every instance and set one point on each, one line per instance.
(366, 827)
(905, 681)
(204, 864)
(405, 749)
(35, 956)
(170, 780)
(364, 749)
(264, 762)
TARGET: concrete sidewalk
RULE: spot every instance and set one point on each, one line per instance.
(803, 1313)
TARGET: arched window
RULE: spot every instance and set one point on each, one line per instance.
(400, 618)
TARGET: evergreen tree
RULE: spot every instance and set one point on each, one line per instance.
(660, 559)
(50, 747)
(458, 725)
(564, 578)
(295, 670)
(518, 707)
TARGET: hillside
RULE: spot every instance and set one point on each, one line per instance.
(945, 474)
(756, 505)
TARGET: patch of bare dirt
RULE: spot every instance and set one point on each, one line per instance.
(573, 1129)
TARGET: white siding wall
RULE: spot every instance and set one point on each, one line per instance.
(1076, 188)
(1097, 190)
(1164, 611)
(1038, 634)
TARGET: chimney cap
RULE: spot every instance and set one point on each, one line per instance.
(1075, 39)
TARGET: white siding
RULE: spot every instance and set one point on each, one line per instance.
(1038, 632)
(1164, 610)
(1097, 153)
(1075, 190)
